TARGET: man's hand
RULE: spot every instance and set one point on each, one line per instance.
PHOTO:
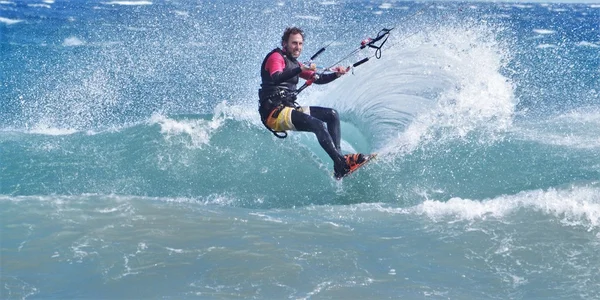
(311, 67)
(339, 70)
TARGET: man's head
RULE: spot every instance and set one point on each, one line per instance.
(292, 41)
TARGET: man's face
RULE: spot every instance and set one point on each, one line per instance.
(294, 45)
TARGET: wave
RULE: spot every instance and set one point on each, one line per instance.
(572, 206)
(437, 107)
(228, 155)
(575, 206)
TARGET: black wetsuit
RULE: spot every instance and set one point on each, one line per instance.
(279, 89)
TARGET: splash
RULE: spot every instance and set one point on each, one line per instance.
(447, 79)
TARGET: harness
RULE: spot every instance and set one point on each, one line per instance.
(274, 97)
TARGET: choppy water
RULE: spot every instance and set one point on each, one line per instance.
(134, 164)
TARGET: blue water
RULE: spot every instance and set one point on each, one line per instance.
(133, 164)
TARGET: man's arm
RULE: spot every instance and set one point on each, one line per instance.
(325, 78)
(275, 65)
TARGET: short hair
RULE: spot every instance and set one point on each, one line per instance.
(289, 31)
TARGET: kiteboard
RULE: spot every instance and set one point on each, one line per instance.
(368, 158)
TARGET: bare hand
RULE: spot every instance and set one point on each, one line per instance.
(311, 67)
(339, 70)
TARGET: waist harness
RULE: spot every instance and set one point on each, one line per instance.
(272, 102)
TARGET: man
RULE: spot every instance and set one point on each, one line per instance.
(279, 112)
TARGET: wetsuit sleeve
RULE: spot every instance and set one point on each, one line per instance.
(275, 66)
(307, 75)
(323, 79)
(326, 78)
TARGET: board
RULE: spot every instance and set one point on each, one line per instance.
(368, 158)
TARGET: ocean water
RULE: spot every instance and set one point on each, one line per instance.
(133, 164)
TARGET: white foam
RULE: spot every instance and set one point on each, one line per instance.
(498, 16)
(577, 129)
(314, 18)
(474, 94)
(522, 6)
(448, 78)
(8, 21)
(546, 46)
(175, 250)
(181, 13)
(39, 5)
(72, 42)
(267, 218)
(544, 31)
(199, 131)
(385, 5)
(588, 44)
(328, 3)
(43, 129)
(577, 206)
(128, 3)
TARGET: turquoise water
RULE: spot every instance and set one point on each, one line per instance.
(133, 163)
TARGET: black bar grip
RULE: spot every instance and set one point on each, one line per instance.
(362, 61)
(317, 54)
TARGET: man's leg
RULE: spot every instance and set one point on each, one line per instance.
(331, 117)
(304, 122)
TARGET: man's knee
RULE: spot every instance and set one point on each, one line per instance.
(317, 125)
(334, 114)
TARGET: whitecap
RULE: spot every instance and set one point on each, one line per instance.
(128, 3)
(588, 44)
(522, 6)
(198, 130)
(577, 206)
(314, 18)
(72, 42)
(39, 5)
(544, 31)
(558, 9)
(181, 13)
(545, 46)
(54, 131)
(8, 21)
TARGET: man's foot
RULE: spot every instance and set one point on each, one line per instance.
(353, 161)
(340, 172)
